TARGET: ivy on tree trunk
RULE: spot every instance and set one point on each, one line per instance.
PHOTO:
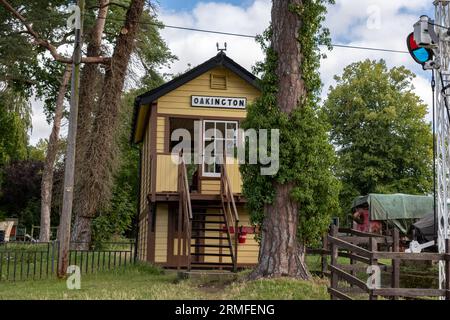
(294, 206)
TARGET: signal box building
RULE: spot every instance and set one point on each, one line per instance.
(192, 213)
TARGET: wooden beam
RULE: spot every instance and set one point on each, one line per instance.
(345, 245)
(408, 292)
(423, 256)
(337, 294)
(363, 234)
(349, 278)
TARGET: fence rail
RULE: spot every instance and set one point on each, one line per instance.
(34, 261)
(345, 247)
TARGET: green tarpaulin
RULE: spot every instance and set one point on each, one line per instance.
(400, 209)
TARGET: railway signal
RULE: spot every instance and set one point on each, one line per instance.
(420, 54)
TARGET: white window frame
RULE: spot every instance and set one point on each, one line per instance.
(236, 138)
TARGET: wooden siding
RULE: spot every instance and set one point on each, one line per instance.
(161, 230)
(247, 252)
(146, 170)
(167, 174)
(143, 238)
(160, 134)
(235, 176)
(178, 102)
(209, 186)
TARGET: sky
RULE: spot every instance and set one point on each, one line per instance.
(369, 23)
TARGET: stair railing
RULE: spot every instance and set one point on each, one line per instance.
(185, 213)
(230, 212)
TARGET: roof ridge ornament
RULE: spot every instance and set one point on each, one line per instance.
(221, 50)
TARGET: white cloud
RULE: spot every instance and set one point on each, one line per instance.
(41, 129)
(196, 47)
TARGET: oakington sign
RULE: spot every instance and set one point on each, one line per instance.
(218, 102)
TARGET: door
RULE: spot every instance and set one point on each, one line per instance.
(173, 240)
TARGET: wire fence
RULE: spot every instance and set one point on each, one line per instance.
(34, 261)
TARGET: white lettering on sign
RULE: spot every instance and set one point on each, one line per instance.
(219, 102)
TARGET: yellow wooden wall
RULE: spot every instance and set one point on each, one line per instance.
(167, 174)
(145, 170)
(178, 101)
(161, 229)
(247, 252)
(160, 134)
(143, 238)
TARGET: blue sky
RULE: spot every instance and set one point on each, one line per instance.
(183, 5)
(370, 23)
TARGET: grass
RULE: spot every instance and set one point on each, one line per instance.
(147, 282)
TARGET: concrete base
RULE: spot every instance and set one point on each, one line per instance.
(208, 275)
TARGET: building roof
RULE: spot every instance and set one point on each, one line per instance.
(221, 59)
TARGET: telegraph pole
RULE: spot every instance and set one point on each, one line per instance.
(66, 214)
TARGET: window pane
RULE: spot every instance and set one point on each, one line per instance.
(231, 148)
(231, 130)
(220, 127)
(209, 130)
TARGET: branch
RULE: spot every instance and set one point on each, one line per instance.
(47, 45)
(110, 3)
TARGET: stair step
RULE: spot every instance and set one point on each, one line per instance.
(212, 264)
(211, 254)
(209, 221)
(211, 245)
(206, 206)
(209, 238)
(208, 214)
(206, 229)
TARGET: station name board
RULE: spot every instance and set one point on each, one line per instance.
(218, 102)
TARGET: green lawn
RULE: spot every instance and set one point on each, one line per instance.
(146, 282)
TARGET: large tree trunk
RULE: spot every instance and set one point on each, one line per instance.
(89, 92)
(96, 179)
(281, 253)
(52, 150)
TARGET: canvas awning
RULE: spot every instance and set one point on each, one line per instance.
(400, 209)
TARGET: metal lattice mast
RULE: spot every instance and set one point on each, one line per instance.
(442, 18)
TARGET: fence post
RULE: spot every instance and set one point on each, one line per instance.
(447, 270)
(372, 247)
(324, 257)
(334, 257)
(395, 281)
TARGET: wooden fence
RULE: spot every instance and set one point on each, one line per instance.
(344, 281)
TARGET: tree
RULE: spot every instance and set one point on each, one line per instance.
(15, 121)
(97, 156)
(50, 158)
(378, 126)
(20, 191)
(115, 49)
(294, 205)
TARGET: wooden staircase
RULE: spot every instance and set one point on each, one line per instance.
(209, 227)
(207, 242)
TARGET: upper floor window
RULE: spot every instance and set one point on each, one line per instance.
(217, 136)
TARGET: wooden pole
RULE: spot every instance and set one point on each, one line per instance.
(334, 257)
(66, 214)
(395, 262)
(324, 256)
(373, 247)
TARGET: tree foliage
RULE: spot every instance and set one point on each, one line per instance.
(378, 126)
(15, 121)
(306, 157)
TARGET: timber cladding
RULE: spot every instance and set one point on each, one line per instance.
(216, 92)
